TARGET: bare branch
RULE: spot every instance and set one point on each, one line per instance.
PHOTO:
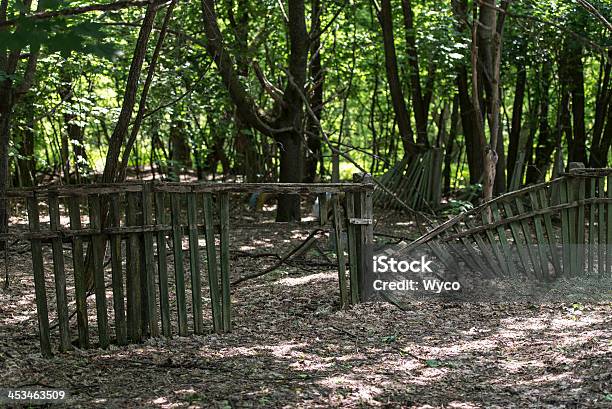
(74, 11)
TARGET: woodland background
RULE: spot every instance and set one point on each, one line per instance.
(268, 90)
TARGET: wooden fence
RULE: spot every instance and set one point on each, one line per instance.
(558, 228)
(133, 223)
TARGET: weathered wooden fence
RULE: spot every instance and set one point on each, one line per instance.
(133, 223)
(416, 180)
(544, 231)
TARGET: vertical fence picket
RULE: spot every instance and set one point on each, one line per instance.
(39, 277)
(147, 218)
(565, 227)
(78, 266)
(592, 243)
(352, 247)
(194, 264)
(134, 315)
(608, 242)
(339, 252)
(179, 271)
(225, 262)
(211, 261)
(162, 265)
(550, 232)
(59, 273)
(117, 272)
(98, 244)
(601, 228)
(580, 218)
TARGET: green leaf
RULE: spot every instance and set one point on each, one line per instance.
(433, 363)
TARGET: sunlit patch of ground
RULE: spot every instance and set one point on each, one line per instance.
(292, 347)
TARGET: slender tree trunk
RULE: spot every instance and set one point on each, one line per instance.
(578, 151)
(452, 136)
(385, 18)
(473, 144)
(597, 158)
(6, 109)
(420, 104)
(517, 116)
(26, 162)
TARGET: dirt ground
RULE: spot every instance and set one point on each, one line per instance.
(292, 347)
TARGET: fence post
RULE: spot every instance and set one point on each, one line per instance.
(39, 277)
(211, 260)
(365, 236)
(134, 315)
(78, 265)
(179, 272)
(352, 236)
(162, 265)
(149, 273)
(117, 272)
(59, 273)
(225, 264)
(98, 245)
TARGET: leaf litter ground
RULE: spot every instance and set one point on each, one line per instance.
(292, 346)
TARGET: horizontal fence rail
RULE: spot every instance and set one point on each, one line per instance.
(136, 248)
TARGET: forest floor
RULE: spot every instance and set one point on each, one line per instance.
(291, 346)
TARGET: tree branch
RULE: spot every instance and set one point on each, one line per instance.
(74, 11)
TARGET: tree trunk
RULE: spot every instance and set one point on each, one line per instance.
(314, 155)
(419, 103)
(290, 146)
(517, 117)
(6, 109)
(26, 161)
(578, 148)
(448, 156)
(385, 18)
(473, 144)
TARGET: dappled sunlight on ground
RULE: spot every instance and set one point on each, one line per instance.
(292, 347)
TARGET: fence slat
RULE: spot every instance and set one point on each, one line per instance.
(581, 191)
(550, 232)
(352, 247)
(609, 230)
(601, 229)
(39, 278)
(225, 262)
(592, 242)
(194, 264)
(179, 271)
(162, 266)
(565, 228)
(149, 273)
(134, 315)
(117, 273)
(520, 246)
(98, 244)
(340, 252)
(529, 244)
(59, 274)
(541, 241)
(503, 240)
(78, 265)
(211, 260)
